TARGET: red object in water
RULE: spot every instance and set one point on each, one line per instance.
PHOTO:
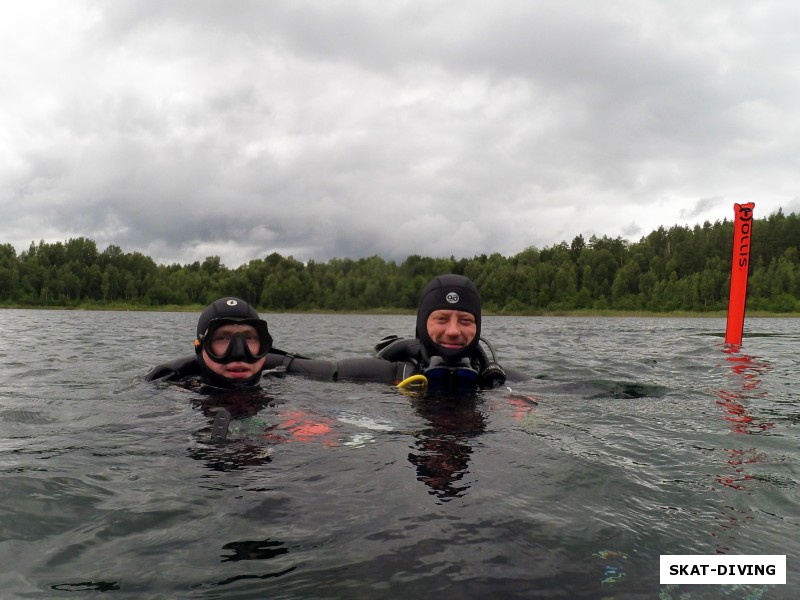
(740, 265)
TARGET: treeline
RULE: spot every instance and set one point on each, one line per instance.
(676, 269)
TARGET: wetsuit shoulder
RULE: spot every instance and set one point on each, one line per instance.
(179, 368)
(397, 349)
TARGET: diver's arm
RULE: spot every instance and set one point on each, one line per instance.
(374, 369)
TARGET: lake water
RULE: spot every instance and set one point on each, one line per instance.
(646, 438)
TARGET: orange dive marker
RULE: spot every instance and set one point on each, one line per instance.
(740, 265)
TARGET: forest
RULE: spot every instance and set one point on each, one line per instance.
(680, 269)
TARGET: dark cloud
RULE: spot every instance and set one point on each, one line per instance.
(349, 129)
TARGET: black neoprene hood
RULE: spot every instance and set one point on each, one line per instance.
(234, 310)
(225, 308)
(448, 292)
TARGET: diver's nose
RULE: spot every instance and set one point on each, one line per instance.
(452, 327)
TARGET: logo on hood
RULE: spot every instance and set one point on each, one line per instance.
(452, 298)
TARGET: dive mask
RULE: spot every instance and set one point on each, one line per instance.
(235, 340)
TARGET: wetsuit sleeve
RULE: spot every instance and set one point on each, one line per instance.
(319, 369)
(374, 369)
(351, 369)
(277, 360)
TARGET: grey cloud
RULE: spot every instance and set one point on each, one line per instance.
(351, 129)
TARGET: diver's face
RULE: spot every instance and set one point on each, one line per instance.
(452, 329)
(220, 340)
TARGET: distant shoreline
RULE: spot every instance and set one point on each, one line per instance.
(401, 312)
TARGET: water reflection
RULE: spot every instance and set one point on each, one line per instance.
(443, 448)
(232, 417)
(239, 404)
(240, 578)
(747, 372)
(245, 425)
(254, 550)
(87, 586)
(745, 386)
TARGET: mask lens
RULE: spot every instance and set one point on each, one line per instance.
(228, 341)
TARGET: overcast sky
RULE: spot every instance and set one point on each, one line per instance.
(320, 129)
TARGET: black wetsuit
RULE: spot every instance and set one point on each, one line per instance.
(477, 366)
(396, 360)
(277, 361)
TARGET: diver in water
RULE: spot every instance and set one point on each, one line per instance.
(447, 348)
(231, 347)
